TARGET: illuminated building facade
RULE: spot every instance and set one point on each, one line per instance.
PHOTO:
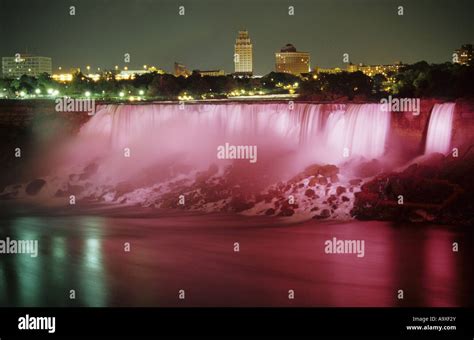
(211, 73)
(289, 60)
(15, 67)
(464, 55)
(243, 62)
(372, 70)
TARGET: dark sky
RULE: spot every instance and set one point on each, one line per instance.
(153, 33)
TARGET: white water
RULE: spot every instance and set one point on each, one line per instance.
(173, 151)
(323, 132)
(440, 128)
(360, 131)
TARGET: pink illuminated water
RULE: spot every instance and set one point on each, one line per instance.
(328, 131)
(140, 146)
(440, 128)
(195, 252)
(360, 131)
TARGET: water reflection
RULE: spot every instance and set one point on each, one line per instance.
(69, 257)
(195, 252)
(440, 268)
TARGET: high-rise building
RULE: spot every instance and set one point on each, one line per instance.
(289, 60)
(243, 54)
(464, 55)
(15, 67)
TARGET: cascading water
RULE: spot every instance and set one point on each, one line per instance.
(360, 131)
(151, 154)
(440, 128)
(328, 131)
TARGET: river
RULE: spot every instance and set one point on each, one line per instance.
(196, 253)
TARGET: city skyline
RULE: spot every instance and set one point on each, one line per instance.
(203, 38)
(294, 65)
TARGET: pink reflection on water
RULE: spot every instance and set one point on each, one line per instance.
(439, 279)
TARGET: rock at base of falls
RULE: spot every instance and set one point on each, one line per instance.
(35, 186)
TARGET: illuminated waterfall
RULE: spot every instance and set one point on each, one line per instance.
(336, 130)
(440, 128)
(360, 131)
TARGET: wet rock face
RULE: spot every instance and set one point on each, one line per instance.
(355, 181)
(396, 196)
(340, 190)
(436, 189)
(89, 170)
(286, 212)
(35, 186)
(205, 175)
(240, 204)
(318, 189)
(325, 213)
(318, 174)
(9, 195)
(327, 170)
(270, 211)
(368, 169)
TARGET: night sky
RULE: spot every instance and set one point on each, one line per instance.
(154, 34)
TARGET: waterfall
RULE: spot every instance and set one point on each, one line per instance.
(360, 131)
(440, 128)
(328, 131)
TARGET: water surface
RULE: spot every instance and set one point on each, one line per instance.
(195, 253)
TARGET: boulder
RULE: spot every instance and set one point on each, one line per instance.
(313, 181)
(285, 212)
(325, 213)
(35, 186)
(89, 171)
(270, 211)
(368, 169)
(322, 180)
(328, 170)
(340, 190)
(239, 204)
(355, 181)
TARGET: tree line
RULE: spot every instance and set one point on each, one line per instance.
(417, 80)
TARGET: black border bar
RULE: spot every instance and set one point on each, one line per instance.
(225, 322)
